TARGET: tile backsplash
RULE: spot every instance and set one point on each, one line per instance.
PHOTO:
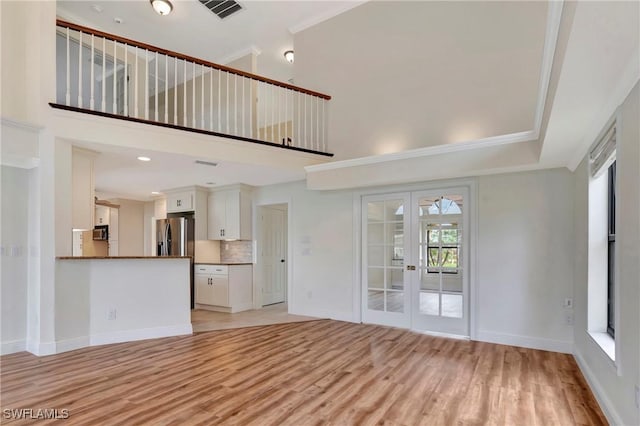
(236, 251)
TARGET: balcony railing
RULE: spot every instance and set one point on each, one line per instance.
(109, 75)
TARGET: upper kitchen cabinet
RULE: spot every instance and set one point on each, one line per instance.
(82, 189)
(230, 214)
(103, 214)
(187, 200)
(181, 202)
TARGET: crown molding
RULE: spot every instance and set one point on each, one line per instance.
(239, 54)
(426, 152)
(315, 20)
(554, 15)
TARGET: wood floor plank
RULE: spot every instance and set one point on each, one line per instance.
(308, 373)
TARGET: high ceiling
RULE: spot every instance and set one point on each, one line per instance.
(193, 30)
(407, 79)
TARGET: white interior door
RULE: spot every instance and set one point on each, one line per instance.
(415, 257)
(273, 255)
(384, 247)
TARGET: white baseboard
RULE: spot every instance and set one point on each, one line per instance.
(526, 341)
(323, 314)
(241, 307)
(72, 344)
(12, 347)
(605, 403)
(140, 334)
(41, 349)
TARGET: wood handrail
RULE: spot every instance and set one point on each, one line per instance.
(70, 25)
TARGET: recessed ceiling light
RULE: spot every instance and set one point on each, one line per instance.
(162, 7)
(155, 193)
(144, 158)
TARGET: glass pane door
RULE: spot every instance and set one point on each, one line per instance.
(440, 289)
(384, 246)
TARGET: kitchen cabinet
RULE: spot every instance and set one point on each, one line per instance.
(188, 199)
(102, 215)
(223, 288)
(180, 202)
(230, 215)
(82, 189)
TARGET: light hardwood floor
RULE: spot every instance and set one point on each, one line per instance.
(308, 373)
(203, 320)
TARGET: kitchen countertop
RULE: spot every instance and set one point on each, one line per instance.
(222, 263)
(119, 257)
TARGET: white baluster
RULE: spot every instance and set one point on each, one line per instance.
(166, 89)
(278, 91)
(243, 106)
(104, 75)
(80, 71)
(251, 103)
(235, 104)
(318, 123)
(324, 129)
(193, 93)
(91, 100)
(115, 75)
(273, 114)
(211, 99)
(135, 87)
(184, 96)
(219, 102)
(227, 128)
(305, 121)
(286, 115)
(146, 84)
(155, 90)
(266, 110)
(202, 95)
(126, 81)
(68, 94)
(175, 91)
(300, 141)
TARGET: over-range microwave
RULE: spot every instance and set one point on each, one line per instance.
(101, 233)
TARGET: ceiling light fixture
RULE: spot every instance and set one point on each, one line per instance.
(144, 158)
(162, 7)
(288, 55)
(155, 193)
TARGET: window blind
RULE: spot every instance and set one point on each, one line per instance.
(603, 152)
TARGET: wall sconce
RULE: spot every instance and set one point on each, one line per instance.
(288, 55)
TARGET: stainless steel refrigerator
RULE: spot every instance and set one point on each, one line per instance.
(175, 237)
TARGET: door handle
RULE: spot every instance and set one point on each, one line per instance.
(411, 268)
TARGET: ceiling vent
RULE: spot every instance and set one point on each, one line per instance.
(206, 163)
(222, 8)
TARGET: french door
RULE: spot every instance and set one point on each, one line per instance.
(415, 256)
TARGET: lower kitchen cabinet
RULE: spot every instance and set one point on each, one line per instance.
(223, 288)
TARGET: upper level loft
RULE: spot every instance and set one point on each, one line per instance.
(107, 75)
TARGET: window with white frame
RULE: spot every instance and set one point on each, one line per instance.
(602, 241)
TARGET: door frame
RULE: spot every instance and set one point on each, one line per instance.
(472, 186)
(258, 271)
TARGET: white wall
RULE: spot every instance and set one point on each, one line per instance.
(13, 290)
(131, 227)
(614, 385)
(150, 296)
(525, 217)
(525, 255)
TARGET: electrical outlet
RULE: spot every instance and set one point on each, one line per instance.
(111, 314)
(568, 302)
(568, 318)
